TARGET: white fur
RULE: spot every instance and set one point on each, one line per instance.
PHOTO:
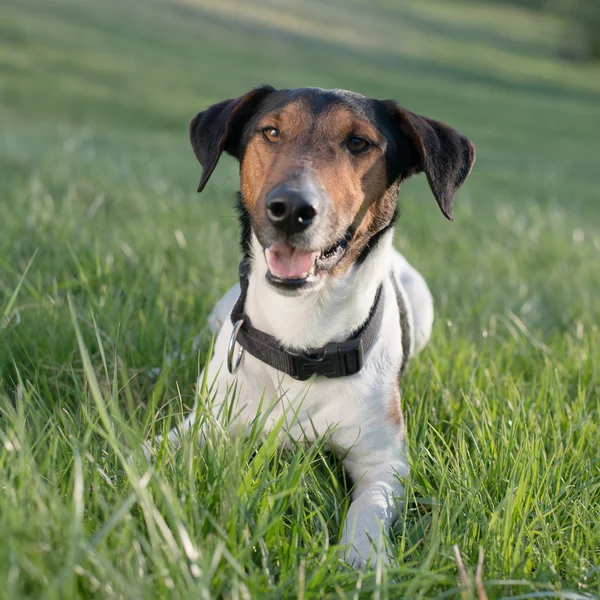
(353, 411)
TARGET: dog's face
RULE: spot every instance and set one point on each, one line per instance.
(320, 171)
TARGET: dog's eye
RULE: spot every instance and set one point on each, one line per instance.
(357, 144)
(271, 134)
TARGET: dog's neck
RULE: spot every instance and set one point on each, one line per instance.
(313, 319)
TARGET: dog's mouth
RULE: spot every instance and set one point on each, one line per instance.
(293, 268)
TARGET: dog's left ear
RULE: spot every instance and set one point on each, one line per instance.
(445, 155)
(219, 128)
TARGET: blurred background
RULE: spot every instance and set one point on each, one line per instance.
(97, 178)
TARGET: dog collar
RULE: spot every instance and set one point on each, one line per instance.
(336, 359)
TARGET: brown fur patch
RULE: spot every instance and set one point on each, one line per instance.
(394, 410)
(265, 165)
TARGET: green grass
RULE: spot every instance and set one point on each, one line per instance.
(103, 237)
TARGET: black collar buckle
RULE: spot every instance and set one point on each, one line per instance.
(336, 359)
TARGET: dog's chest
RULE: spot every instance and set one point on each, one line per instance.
(342, 409)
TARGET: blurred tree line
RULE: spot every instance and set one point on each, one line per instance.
(582, 41)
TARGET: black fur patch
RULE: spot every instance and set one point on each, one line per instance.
(245, 225)
(372, 243)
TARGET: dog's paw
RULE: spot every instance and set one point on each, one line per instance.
(363, 562)
(364, 552)
(362, 555)
(355, 560)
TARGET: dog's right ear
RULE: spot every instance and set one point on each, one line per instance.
(219, 128)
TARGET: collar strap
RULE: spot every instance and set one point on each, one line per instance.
(336, 359)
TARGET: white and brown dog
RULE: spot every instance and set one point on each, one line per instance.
(327, 312)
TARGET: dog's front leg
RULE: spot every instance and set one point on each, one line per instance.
(374, 507)
(219, 380)
(201, 416)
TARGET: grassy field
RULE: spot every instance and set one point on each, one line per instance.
(109, 261)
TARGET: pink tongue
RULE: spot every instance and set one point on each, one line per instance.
(287, 262)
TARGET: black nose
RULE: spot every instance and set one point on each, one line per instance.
(290, 210)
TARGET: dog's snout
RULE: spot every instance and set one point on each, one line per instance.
(289, 210)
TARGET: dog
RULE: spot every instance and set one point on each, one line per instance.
(327, 313)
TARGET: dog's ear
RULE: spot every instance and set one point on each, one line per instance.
(219, 129)
(445, 155)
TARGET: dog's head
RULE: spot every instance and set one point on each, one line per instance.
(320, 171)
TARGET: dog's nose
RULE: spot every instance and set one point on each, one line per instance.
(290, 210)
